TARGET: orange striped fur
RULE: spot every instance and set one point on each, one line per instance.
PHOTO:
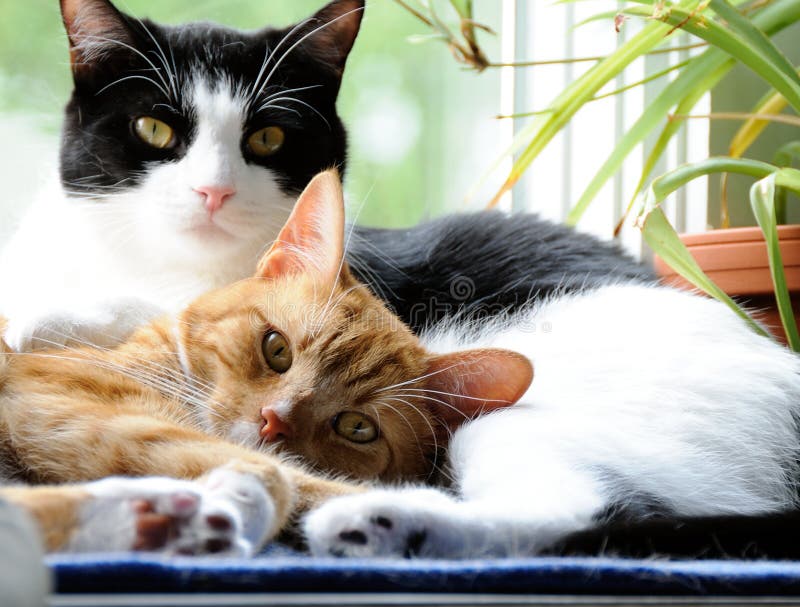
(184, 396)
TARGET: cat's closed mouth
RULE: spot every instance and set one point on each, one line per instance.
(209, 229)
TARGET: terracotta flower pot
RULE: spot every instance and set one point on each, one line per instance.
(736, 259)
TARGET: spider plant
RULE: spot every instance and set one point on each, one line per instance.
(735, 32)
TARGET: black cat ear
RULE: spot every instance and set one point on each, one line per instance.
(331, 32)
(95, 29)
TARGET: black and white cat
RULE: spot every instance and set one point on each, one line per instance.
(183, 150)
(648, 404)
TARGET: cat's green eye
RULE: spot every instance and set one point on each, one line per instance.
(277, 352)
(355, 427)
(266, 142)
(154, 132)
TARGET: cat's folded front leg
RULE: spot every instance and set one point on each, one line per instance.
(264, 492)
(76, 322)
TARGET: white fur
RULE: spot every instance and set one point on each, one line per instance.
(107, 521)
(637, 391)
(73, 261)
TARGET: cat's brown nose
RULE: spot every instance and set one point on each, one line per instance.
(274, 427)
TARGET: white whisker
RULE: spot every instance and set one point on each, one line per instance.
(302, 39)
(487, 400)
(270, 104)
(269, 57)
(278, 107)
(143, 56)
(408, 423)
(134, 77)
(416, 379)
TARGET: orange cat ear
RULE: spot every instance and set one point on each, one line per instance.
(473, 382)
(312, 241)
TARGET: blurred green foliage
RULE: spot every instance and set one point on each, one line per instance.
(386, 73)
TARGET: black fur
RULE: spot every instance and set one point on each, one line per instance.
(630, 503)
(470, 266)
(722, 537)
(482, 264)
(467, 265)
(99, 149)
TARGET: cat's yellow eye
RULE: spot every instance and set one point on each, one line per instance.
(355, 427)
(277, 353)
(266, 142)
(154, 132)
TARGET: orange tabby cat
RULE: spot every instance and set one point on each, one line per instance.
(301, 359)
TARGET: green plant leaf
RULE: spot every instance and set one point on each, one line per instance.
(690, 84)
(784, 158)
(786, 154)
(762, 200)
(541, 131)
(684, 106)
(779, 73)
(605, 16)
(772, 103)
(664, 240)
(463, 8)
(643, 81)
(789, 179)
(698, 77)
(669, 182)
(754, 37)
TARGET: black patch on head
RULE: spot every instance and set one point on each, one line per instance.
(124, 68)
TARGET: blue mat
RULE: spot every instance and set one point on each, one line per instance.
(285, 572)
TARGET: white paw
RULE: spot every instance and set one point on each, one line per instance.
(103, 324)
(165, 515)
(252, 502)
(407, 523)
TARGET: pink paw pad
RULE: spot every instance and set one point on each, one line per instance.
(174, 520)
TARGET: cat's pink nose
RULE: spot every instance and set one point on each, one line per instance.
(274, 427)
(215, 196)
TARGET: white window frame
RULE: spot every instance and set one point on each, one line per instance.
(535, 31)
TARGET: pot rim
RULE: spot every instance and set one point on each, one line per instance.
(733, 235)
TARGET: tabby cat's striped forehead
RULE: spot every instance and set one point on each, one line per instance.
(367, 354)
